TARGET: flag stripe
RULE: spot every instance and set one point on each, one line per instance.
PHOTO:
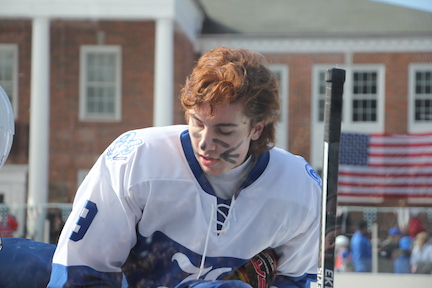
(385, 195)
(387, 185)
(399, 144)
(406, 154)
(384, 171)
(382, 175)
(388, 181)
(405, 191)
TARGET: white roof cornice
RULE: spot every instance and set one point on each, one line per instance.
(318, 44)
(185, 12)
(79, 9)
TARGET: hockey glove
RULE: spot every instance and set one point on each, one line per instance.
(259, 272)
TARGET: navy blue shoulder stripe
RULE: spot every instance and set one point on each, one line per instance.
(193, 163)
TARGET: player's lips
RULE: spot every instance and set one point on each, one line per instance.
(207, 161)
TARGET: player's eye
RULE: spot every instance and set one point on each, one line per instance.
(225, 133)
(197, 123)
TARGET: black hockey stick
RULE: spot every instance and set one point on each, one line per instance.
(335, 79)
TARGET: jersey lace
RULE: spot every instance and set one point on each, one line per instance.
(222, 226)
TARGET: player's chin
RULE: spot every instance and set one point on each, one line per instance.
(211, 171)
(214, 170)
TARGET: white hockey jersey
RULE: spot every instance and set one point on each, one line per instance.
(147, 210)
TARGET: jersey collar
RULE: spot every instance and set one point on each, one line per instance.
(255, 173)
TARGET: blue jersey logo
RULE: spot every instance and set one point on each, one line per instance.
(123, 146)
(313, 174)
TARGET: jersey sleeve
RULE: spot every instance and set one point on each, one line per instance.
(298, 257)
(100, 231)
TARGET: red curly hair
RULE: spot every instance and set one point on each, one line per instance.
(224, 76)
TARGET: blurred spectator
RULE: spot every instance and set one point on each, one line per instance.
(56, 225)
(387, 249)
(343, 261)
(331, 232)
(343, 220)
(402, 256)
(8, 226)
(403, 215)
(421, 255)
(415, 225)
(361, 249)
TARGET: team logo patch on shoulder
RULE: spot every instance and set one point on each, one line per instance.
(313, 174)
(123, 146)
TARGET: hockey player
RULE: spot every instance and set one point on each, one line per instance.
(191, 204)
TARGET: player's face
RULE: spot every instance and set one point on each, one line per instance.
(221, 143)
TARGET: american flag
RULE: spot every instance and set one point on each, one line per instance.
(385, 165)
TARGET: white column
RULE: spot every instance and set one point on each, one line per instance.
(164, 74)
(39, 128)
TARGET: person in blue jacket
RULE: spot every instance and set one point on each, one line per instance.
(361, 249)
(403, 254)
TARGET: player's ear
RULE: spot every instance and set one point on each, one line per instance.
(257, 130)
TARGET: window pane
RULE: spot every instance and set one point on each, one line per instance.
(6, 65)
(322, 83)
(423, 110)
(278, 75)
(6, 71)
(365, 96)
(108, 100)
(364, 110)
(321, 95)
(321, 105)
(101, 67)
(423, 96)
(8, 89)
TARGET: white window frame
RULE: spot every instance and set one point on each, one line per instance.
(377, 126)
(413, 126)
(83, 114)
(14, 94)
(282, 127)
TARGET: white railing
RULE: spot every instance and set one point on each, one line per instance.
(52, 215)
(380, 219)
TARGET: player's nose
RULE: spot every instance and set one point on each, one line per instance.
(206, 143)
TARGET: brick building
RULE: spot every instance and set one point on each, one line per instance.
(79, 73)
